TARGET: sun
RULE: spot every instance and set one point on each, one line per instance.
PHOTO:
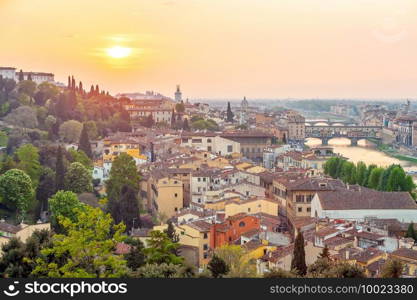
(118, 52)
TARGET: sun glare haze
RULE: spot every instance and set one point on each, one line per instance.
(119, 52)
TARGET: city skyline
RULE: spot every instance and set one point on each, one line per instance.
(268, 50)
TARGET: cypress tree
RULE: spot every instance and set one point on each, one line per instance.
(30, 76)
(84, 142)
(170, 231)
(73, 83)
(411, 232)
(218, 267)
(298, 261)
(229, 115)
(80, 87)
(69, 82)
(59, 171)
(91, 91)
(97, 91)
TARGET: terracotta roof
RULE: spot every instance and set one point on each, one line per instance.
(6, 227)
(367, 255)
(200, 225)
(279, 253)
(406, 253)
(122, 248)
(252, 245)
(365, 199)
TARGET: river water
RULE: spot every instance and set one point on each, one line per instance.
(365, 151)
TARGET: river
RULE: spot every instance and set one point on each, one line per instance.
(365, 151)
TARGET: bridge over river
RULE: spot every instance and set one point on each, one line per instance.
(353, 132)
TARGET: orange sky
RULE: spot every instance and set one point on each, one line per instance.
(220, 49)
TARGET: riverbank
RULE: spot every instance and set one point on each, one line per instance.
(393, 153)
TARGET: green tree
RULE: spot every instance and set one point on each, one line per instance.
(64, 204)
(346, 270)
(59, 170)
(396, 180)
(280, 273)
(135, 258)
(84, 143)
(160, 249)
(237, 261)
(393, 268)
(369, 170)
(298, 261)
(375, 177)
(27, 87)
(361, 173)
(86, 250)
(70, 131)
(80, 157)
(319, 268)
(78, 179)
(91, 129)
(217, 267)
(28, 156)
(411, 232)
(123, 172)
(383, 180)
(46, 188)
(126, 210)
(17, 260)
(16, 191)
(24, 116)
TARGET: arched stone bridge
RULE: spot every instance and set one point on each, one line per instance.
(354, 133)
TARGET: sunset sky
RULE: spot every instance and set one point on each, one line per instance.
(218, 48)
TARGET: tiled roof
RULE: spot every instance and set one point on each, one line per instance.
(365, 199)
(5, 227)
(406, 253)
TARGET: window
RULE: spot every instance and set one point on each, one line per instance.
(205, 255)
(242, 224)
(300, 209)
(175, 195)
(229, 148)
(204, 179)
(308, 209)
(205, 235)
(208, 149)
(208, 140)
(185, 140)
(309, 198)
(198, 179)
(299, 198)
(197, 141)
(248, 209)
